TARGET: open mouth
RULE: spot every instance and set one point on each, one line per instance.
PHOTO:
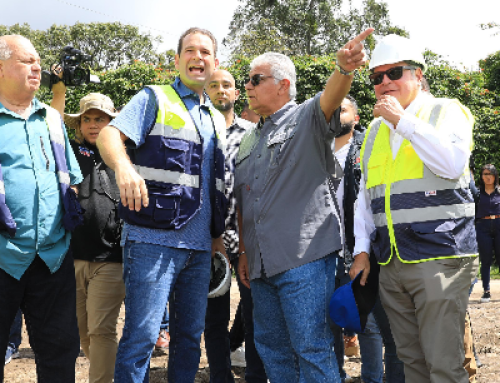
(196, 69)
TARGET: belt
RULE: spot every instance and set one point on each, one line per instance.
(491, 217)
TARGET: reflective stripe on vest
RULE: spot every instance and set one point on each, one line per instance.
(168, 177)
(410, 202)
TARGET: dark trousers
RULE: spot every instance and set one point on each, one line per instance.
(488, 242)
(341, 278)
(217, 338)
(255, 372)
(48, 302)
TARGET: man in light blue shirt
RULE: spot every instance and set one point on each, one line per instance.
(35, 273)
(169, 132)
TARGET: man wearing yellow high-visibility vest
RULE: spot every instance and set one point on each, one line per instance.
(415, 214)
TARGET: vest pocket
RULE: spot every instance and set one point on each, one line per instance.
(166, 208)
(175, 154)
(434, 239)
(376, 170)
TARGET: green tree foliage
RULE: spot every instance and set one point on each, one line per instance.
(299, 27)
(110, 44)
(491, 67)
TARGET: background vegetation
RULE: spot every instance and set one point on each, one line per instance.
(307, 30)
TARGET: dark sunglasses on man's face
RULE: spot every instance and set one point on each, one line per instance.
(256, 79)
(394, 74)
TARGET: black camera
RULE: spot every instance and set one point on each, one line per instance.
(72, 65)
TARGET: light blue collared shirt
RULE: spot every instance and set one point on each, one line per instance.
(32, 191)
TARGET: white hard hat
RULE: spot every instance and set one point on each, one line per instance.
(220, 276)
(394, 49)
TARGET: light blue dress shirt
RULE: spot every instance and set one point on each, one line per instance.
(32, 192)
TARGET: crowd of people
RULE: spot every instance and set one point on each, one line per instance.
(300, 198)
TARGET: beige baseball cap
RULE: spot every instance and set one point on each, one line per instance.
(91, 101)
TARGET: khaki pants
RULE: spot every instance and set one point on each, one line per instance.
(99, 294)
(426, 304)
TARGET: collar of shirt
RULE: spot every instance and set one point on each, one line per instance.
(35, 107)
(185, 92)
(277, 116)
(239, 124)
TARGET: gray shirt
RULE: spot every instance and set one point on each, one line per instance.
(283, 189)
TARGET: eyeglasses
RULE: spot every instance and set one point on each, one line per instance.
(394, 74)
(256, 79)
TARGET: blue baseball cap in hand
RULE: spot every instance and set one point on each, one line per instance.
(350, 304)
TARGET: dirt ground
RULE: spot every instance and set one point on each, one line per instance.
(485, 322)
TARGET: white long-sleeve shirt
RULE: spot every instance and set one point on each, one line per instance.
(444, 152)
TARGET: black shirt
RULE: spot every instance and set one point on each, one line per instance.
(489, 204)
(98, 239)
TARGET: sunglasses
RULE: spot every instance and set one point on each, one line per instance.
(394, 74)
(256, 79)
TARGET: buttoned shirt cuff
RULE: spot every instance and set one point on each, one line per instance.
(362, 246)
(407, 125)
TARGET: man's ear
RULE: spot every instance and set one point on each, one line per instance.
(216, 63)
(177, 61)
(356, 118)
(284, 86)
(236, 94)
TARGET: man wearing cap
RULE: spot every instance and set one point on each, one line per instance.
(289, 225)
(172, 192)
(416, 210)
(95, 245)
(37, 212)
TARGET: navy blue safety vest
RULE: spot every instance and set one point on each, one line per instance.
(73, 214)
(170, 162)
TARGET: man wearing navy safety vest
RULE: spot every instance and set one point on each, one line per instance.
(172, 192)
(37, 167)
(416, 210)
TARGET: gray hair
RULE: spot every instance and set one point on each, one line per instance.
(282, 68)
(5, 48)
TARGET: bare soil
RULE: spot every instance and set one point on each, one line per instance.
(485, 323)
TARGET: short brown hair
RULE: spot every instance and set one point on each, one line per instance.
(192, 31)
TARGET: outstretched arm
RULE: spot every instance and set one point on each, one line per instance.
(349, 58)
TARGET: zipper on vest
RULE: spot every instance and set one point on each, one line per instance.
(47, 162)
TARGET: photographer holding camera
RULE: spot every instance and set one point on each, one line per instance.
(95, 244)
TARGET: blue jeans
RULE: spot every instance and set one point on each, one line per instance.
(488, 242)
(292, 329)
(48, 302)
(15, 336)
(164, 321)
(370, 345)
(152, 274)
